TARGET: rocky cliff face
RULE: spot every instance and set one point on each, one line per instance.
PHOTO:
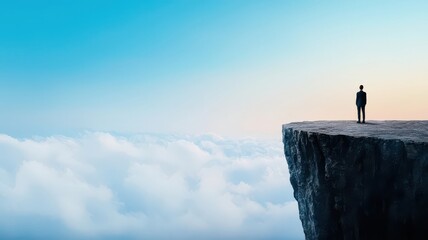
(360, 181)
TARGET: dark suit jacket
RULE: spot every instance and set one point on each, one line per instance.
(361, 99)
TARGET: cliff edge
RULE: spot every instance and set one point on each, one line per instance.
(359, 181)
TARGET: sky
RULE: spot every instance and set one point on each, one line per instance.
(152, 119)
(235, 68)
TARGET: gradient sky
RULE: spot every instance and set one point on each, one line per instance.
(236, 68)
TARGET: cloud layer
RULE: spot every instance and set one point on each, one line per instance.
(103, 186)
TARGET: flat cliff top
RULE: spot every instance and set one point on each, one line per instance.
(416, 131)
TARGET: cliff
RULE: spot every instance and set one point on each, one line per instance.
(360, 181)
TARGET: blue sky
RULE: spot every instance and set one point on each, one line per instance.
(239, 68)
(88, 62)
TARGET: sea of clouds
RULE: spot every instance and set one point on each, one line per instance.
(105, 186)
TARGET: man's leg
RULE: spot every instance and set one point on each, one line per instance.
(364, 113)
(358, 110)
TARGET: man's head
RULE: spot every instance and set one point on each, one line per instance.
(361, 87)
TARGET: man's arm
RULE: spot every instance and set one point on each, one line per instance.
(365, 98)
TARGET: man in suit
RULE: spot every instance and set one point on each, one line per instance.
(361, 104)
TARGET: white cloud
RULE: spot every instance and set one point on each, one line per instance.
(99, 186)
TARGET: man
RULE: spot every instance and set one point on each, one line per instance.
(361, 104)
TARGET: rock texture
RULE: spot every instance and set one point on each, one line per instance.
(360, 181)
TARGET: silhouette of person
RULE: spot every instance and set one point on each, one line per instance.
(361, 104)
